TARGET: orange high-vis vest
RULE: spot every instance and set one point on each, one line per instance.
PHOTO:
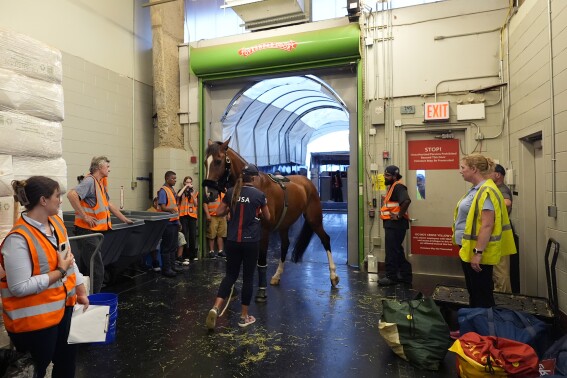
(46, 309)
(171, 201)
(213, 206)
(100, 211)
(187, 207)
(391, 207)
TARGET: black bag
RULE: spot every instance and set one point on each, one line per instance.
(416, 331)
(558, 351)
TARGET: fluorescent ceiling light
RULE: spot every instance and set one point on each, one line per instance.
(236, 3)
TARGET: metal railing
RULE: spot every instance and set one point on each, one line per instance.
(97, 251)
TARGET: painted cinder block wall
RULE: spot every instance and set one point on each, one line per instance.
(531, 113)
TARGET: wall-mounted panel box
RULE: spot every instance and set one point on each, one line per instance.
(470, 111)
(377, 110)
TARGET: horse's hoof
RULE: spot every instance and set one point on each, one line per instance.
(275, 281)
(335, 281)
(261, 296)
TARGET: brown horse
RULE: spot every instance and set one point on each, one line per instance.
(223, 166)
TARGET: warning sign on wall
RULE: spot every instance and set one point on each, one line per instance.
(433, 154)
(433, 241)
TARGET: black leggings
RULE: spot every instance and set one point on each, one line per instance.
(189, 226)
(49, 344)
(237, 254)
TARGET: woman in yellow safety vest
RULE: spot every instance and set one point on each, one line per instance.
(481, 228)
(188, 213)
(42, 282)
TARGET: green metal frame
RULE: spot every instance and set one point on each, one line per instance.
(287, 53)
(200, 222)
(320, 49)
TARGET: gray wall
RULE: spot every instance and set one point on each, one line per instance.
(406, 65)
(531, 113)
(99, 106)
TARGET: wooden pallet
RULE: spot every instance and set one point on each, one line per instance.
(457, 297)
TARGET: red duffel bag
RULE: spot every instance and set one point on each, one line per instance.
(482, 356)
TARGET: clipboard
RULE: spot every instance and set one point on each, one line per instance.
(90, 326)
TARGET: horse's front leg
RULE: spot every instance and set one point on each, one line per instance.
(284, 237)
(332, 269)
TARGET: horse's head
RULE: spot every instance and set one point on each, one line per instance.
(217, 170)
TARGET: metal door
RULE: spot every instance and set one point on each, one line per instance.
(434, 194)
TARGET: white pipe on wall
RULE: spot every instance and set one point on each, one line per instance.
(461, 79)
(552, 103)
(133, 176)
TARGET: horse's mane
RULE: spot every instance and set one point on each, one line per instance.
(239, 156)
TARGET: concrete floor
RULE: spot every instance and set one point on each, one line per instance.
(305, 329)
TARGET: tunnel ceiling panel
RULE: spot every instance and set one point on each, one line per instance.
(272, 122)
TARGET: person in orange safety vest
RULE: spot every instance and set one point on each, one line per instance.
(396, 222)
(216, 227)
(167, 202)
(42, 282)
(187, 200)
(92, 206)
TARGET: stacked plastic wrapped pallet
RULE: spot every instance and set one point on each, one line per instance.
(31, 112)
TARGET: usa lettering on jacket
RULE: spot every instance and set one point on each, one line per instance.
(244, 199)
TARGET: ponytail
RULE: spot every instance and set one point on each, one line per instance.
(29, 192)
(236, 192)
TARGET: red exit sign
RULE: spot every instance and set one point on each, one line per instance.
(436, 111)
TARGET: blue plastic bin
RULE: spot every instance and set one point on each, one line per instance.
(107, 299)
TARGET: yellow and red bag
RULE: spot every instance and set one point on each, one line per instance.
(482, 356)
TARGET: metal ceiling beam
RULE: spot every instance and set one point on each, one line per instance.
(156, 3)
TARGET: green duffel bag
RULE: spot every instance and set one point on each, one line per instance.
(416, 331)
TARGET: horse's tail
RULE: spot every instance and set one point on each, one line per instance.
(302, 242)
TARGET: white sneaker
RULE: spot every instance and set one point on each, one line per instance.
(245, 322)
(156, 267)
(212, 318)
(182, 262)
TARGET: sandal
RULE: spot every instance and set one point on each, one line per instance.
(245, 322)
(212, 318)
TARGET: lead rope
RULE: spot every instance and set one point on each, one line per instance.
(227, 301)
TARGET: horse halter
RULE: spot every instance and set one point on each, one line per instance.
(220, 184)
